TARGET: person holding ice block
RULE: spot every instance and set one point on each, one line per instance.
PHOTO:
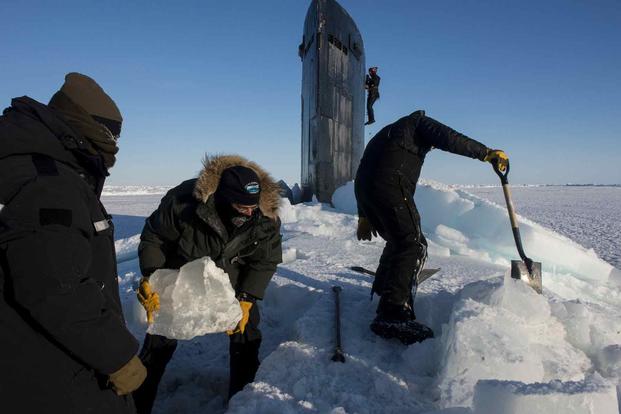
(229, 214)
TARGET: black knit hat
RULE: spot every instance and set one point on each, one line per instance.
(239, 185)
(84, 91)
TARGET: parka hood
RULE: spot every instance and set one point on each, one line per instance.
(31, 127)
(209, 178)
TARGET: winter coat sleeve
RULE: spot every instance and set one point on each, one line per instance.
(259, 268)
(445, 138)
(158, 237)
(45, 238)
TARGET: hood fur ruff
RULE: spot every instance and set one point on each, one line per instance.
(209, 178)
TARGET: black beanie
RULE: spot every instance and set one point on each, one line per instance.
(84, 91)
(239, 185)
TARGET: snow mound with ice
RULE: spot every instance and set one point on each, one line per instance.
(195, 300)
(505, 332)
(470, 226)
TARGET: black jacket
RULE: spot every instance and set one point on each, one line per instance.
(372, 83)
(186, 226)
(61, 321)
(401, 147)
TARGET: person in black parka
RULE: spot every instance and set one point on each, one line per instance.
(371, 84)
(384, 188)
(230, 214)
(64, 346)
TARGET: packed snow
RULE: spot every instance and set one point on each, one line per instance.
(499, 346)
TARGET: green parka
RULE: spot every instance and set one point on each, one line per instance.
(186, 226)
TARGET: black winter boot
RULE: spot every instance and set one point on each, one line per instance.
(398, 321)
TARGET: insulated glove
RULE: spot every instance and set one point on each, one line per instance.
(149, 300)
(241, 325)
(365, 229)
(497, 157)
(129, 377)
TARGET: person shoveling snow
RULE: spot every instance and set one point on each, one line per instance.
(384, 187)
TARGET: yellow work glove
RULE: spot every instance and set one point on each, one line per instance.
(129, 377)
(241, 325)
(365, 229)
(149, 299)
(497, 157)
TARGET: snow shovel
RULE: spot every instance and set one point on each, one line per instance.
(524, 269)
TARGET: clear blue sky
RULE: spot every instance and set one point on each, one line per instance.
(539, 79)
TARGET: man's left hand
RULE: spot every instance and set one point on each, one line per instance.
(365, 229)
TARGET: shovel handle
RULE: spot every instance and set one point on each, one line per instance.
(512, 216)
(504, 177)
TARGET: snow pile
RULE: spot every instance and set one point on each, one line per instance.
(195, 300)
(592, 396)
(470, 226)
(586, 214)
(505, 332)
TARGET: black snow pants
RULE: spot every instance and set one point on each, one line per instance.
(386, 198)
(158, 350)
(371, 98)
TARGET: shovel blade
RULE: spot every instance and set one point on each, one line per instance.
(519, 270)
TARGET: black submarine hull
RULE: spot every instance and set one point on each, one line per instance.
(333, 99)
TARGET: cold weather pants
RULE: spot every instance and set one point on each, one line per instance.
(386, 198)
(371, 98)
(158, 350)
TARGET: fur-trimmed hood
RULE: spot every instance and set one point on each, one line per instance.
(209, 178)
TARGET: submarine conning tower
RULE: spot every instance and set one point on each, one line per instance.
(333, 99)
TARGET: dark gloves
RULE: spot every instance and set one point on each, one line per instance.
(129, 377)
(365, 229)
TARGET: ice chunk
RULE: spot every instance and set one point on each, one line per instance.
(287, 212)
(289, 255)
(195, 300)
(591, 396)
(435, 249)
(344, 199)
(505, 332)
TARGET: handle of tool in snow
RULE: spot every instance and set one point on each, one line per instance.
(504, 180)
(338, 352)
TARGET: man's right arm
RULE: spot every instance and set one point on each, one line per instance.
(440, 136)
(158, 235)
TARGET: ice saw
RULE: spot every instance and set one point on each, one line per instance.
(524, 269)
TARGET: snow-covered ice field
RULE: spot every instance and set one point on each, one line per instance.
(499, 347)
